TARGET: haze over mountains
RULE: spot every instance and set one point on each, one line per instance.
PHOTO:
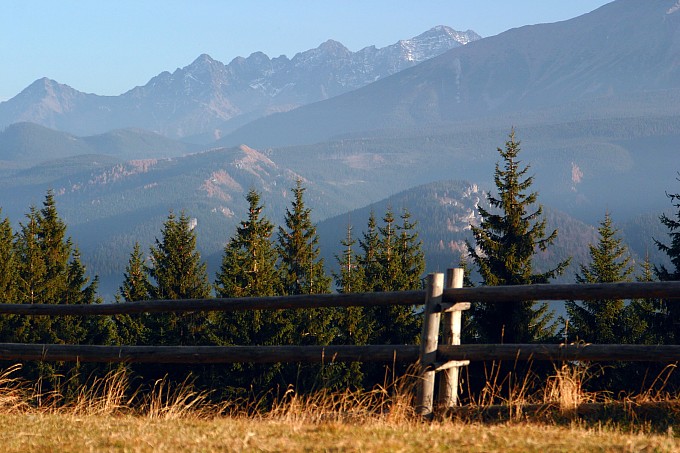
(620, 60)
(207, 97)
(595, 101)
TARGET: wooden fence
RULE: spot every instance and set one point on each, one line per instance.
(444, 300)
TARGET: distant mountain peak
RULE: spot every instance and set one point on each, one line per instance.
(332, 45)
(202, 98)
(45, 85)
(203, 59)
(462, 37)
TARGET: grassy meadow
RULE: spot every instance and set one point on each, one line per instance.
(108, 415)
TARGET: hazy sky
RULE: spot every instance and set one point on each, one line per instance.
(109, 46)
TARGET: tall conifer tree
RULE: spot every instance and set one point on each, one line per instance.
(249, 261)
(355, 326)
(368, 260)
(50, 272)
(177, 272)
(647, 318)
(603, 321)
(136, 285)
(249, 270)
(410, 253)
(8, 278)
(504, 246)
(8, 262)
(671, 308)
(400, 264)
(132, 329)
(349, 279)
(302, 270)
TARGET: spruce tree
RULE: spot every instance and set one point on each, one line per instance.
(298, 245)
(399, 265)
(410, 253)
(249, 270)
(504, 246)
(608, 321)
(50, 272)
(302, 270)
(136, 285)
(349, 279)
(56, 249)
(671, 308)
(646, 316)
(8, 263)
(132, 329)
(8, 278)
(602, 321)
(249, 261)
(371, 268)
(355, 326)
(31, 270)
(177, 272)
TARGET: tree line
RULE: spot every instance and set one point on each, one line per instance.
(39, 263)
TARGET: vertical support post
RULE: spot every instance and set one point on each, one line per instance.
(451, 327)
(429, 341)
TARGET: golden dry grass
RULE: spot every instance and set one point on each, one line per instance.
(107, 415)
(63, 432)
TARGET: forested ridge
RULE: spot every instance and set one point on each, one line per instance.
(40, 263)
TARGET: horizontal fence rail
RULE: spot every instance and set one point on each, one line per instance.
(330, 354)
(220, 304)
(572, 291)
(208, 354)
(561, 352)
(443, 301)
(635, 290)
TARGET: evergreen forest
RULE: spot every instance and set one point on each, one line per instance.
(40, 263)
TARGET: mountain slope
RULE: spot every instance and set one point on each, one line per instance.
(444, 211)
(28, 143)
(200, 99)
(621, 59)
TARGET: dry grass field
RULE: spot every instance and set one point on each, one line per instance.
(107, 416)
(65, 432)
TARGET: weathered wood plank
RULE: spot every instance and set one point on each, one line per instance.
(221, 304)
(668, 290)
(328, 354)
(458, 306)
(559, 352)
(207, 354)
(447, 366)
(429, 340)
(632, 290)
(451, 330)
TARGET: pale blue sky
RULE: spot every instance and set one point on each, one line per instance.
(108, 47)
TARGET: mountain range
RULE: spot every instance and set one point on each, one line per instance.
(595, 101)
(620, 60)
(207, 98)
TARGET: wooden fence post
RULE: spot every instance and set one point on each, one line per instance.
(451, 329)
(428, 344)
